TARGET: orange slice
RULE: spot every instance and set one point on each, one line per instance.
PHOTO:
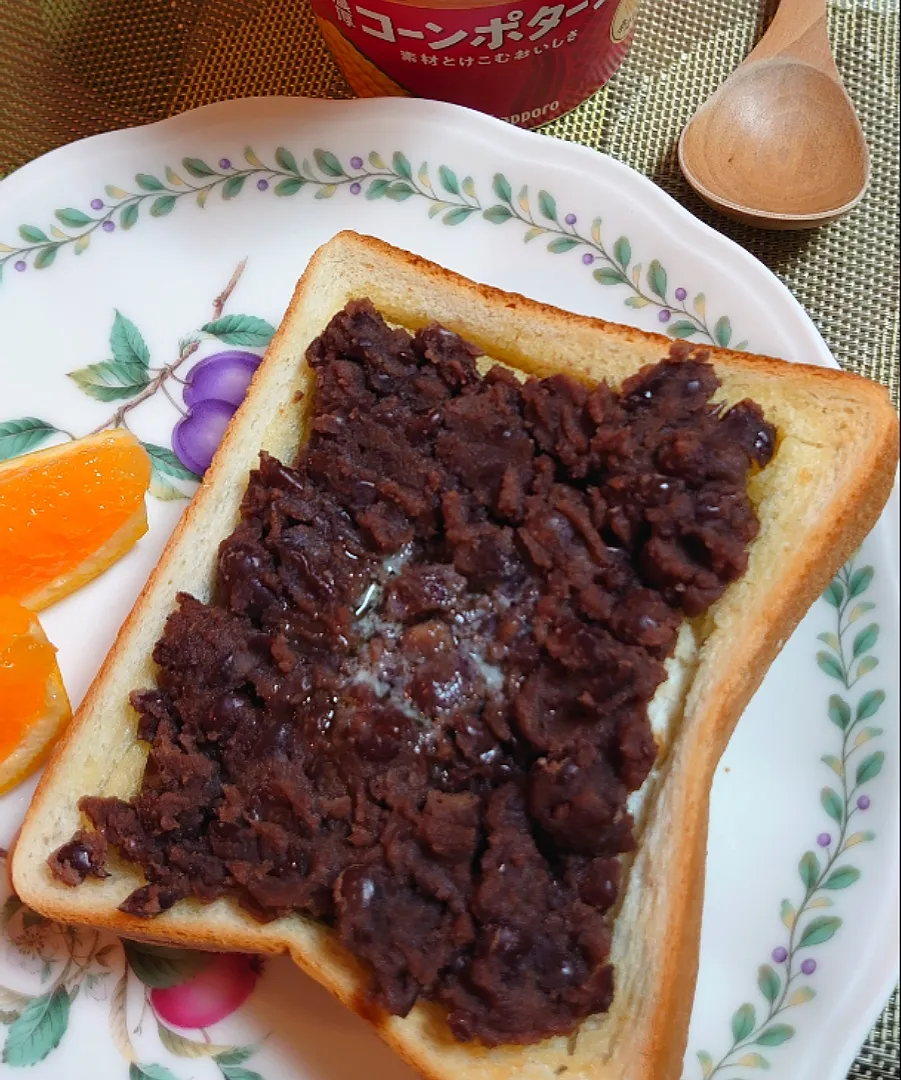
(34, 707)
(68, 513)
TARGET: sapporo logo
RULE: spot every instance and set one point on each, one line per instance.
(624, 20)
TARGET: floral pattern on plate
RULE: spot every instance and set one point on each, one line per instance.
(454, 201)
(188, 990)
(214, 389)
(784, 984)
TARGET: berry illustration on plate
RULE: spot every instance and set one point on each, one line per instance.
(196, 437)
(224, 376)
(211, 995)
(213, 391)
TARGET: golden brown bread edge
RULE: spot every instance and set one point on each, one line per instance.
(831, 476)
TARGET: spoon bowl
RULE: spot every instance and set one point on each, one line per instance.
(779, 144)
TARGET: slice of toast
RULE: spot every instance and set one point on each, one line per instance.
(829, 479)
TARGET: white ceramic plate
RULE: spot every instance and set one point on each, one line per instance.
(800, 922)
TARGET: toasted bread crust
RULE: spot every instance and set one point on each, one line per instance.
(831, 477)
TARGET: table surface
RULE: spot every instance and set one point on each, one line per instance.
(72, 68)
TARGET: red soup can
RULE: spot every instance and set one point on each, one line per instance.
(525, 62)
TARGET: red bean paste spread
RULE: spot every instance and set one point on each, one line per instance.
(418, 704)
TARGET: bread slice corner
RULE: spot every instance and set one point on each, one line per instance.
(824, 489)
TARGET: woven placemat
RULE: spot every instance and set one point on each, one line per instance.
(71, 68)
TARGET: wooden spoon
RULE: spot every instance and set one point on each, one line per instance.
(779, 144)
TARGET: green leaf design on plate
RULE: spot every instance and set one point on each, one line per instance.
(146, 182)
(769, 982)
(830, 665)
(859, 610)
(860, 580)
(31, 234)
(126, 343)
(834, 763)
(681, 329)
(458, 215)
(233, 186)
(111, 380)
(236, 1056)
(831, 640)
(399, 191)
(161, 967)
(834, 594)
(500, 185)
(775, 1035)
(819, 931)
(375, 160)
(329, 164)
(657, 279)
(706, 1063)
(753, 1061)
(801, 996)
(722, 331)
(497, 214)
(868, 664)
(236, 1072)
(184, 1047)
(860, 838)
(241, 330)
(166, 461)
(163, 489)
(290, 185)
(870, 704)
(197, 168)
(870, 768)
(743, 1022)
(609, 275)
(401, 166)
(20, 436)
(377, 188)
(173, 177)
(72, 218)
(129, 215)
(622, 251)
(839, 711)
(163, 205)
(286, 160)
(38, 1030)
(468, 187)
(833, 804)
(150, 1072)
(560, 244)
(547, 204)
(866, 735)
(45, 257)
(81, 243)
(842, 878)
(449, 180)
(809, 869)
(865, 640)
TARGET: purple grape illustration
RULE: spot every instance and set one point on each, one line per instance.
(224, 376)
(197, 435)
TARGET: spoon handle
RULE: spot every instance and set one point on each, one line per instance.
(799, 31)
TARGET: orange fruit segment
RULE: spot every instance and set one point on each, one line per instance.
(68, 513)
(34, 707)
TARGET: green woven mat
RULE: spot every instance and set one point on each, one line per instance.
(71, 68)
